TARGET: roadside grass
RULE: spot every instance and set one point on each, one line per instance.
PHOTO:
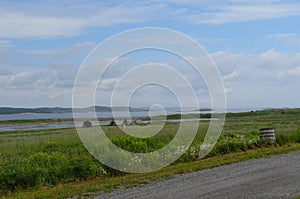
(46, 163)
(106, 184)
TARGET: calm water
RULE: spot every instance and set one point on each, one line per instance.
(101, 114)
(63, 115)
(70, 124)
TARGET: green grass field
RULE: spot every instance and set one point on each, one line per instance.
(54, 160)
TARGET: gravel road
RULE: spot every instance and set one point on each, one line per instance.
(275, 177)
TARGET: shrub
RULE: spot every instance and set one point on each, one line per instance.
(87, 124)
(112, 123)
(292, 137)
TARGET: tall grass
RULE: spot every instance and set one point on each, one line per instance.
(289, 137)
(35, 158)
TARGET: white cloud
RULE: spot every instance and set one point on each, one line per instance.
(72, 51)
(20, 25)
(5, 43)
(107, 84)
(291, 39)
(247, 77)
(251, 80)
(149, 92)
(34, 98)
(67, 21)
(291, 73)
(269, 79)
(55, 19)
(60, 93)
(28, 80)
(233, 13)
(41, 69)
(230, 75)
(254, 65)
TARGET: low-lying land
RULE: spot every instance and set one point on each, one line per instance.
(48, 162)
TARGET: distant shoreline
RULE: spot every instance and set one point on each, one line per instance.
(107, 115)
(68, 122)
(61, 110)
(98, 109)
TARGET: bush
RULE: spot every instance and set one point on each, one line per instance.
(43, 168)
(87, 124)
(292, 137)
(112, 123)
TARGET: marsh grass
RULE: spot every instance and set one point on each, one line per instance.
(98, 186)
(31, 159)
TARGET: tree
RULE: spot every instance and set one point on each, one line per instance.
(113, 123)
(87, 124)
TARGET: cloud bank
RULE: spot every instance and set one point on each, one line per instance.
(67, 19)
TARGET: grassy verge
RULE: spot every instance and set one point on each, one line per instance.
(50, 163)
(106, 184)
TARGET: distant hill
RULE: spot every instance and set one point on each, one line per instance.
(11, 110)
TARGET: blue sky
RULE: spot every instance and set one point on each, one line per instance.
(255, 45)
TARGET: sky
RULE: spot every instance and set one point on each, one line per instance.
(255, 45)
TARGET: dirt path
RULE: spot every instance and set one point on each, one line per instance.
(275, 177)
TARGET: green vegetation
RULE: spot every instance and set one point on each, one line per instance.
(100, 185)
(33, 161)
(113, 123)
(87, 124)
(36, 121)
(10, 110)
